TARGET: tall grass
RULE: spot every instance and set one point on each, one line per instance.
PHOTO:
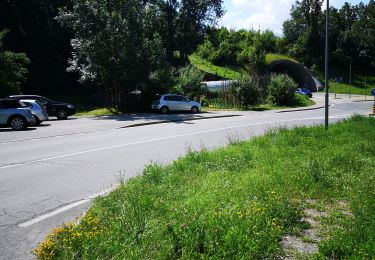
(236, 202)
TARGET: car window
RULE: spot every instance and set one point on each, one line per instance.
(28, 104)
(42, 100)
(179, 98)
(185, 99)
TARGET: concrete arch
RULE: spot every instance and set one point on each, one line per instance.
(302, 75)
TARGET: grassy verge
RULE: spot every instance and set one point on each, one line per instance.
(237, 202)
(208, 67)
(98, 112)
(270, 57)
(342, 88)
(362, 82)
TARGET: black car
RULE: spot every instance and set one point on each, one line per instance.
(58, 109)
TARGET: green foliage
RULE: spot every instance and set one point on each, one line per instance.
(34, 31)
(252, 58)
(281, 89)
(248, 91)
(236, 202)
(189, 81)
(245, 49)
(351, 33)
(13, 69)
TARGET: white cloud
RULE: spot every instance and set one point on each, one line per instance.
(263, 14)
(257, 14)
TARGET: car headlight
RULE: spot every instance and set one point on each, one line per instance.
(70, 106)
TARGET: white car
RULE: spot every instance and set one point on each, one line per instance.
(38, 110)
(172, 102)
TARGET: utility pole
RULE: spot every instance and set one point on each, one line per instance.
(350, 77)
(326, 78)
(365, 88)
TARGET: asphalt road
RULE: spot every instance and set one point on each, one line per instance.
(50, 174)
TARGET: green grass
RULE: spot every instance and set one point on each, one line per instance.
(270, 57)
(98, 112)
(236, 202)
(210, 68)
(359, 78)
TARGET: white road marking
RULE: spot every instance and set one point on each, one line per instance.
(63, 209)
(157, 139)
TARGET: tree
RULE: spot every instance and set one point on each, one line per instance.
(189, 81)
(304, 31)
(194, 16)
(34, 31)
(114, 44)
(13, 69)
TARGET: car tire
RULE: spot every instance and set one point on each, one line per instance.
(18, 123)
(164, 110)
(194, 110)
(61, 114)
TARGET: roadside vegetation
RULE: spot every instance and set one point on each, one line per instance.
(238, 202)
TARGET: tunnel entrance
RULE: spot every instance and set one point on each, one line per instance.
(303, 76)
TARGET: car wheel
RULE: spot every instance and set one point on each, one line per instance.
(18, 123)
(61, 114)
(164, 110)
(194, 110)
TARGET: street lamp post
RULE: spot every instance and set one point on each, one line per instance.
(326, 68)
(350, 77)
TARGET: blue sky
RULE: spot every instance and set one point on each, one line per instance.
(263, 14)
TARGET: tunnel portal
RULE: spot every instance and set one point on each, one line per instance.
(302, 75)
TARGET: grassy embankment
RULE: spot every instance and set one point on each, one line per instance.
(358, 82)
(270, 57)
(239, 201)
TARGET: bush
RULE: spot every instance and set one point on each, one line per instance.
(189, 81)
(248, 91)
(281, 89)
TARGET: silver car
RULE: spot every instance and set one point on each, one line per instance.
(38, 110)
(172, 102)
(15, 114)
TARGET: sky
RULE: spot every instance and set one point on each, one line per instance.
(263, 14)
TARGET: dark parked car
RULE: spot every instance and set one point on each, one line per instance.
(54, 108)
(15, 114)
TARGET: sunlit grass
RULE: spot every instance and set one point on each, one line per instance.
(210, 68)
(236, 202)
(99, 112)
(270, 57)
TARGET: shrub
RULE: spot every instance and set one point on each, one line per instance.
(189, 81)
(248, 92)
(281, 89)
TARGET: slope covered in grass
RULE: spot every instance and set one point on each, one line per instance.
(238, 202)
(208, 67)
(270, 57)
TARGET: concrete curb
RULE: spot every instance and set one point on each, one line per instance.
(301, 109)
